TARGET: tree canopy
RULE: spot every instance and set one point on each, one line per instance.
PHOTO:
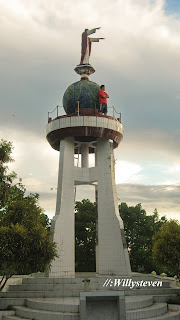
(166, 247)
(139, 230)
(7, 190)
(26, 244)
(85, 234)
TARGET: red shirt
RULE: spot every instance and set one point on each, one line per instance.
(101, 99)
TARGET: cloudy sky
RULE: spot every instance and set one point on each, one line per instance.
(139, 63)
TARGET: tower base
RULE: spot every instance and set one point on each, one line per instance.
(111, 250)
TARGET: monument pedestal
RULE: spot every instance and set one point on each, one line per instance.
(85, 70)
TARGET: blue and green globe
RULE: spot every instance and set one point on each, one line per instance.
(84, 91)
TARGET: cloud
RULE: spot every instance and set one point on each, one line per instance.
(163, 197)
(36, 163)
(174, 168)
(150, 144)
(127, 171)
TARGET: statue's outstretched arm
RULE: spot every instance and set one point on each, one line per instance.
(95, 39)
(92, 31)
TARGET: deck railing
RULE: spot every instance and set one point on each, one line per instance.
(77, 113)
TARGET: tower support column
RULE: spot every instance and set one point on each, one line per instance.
(85, 155)
(112, 249)
(63, 222)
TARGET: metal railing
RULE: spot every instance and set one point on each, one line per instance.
(57, 108)
(57, 111)
(114, 111)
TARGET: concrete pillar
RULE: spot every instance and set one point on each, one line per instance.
(63, 221)
(112, 250)
(85, 155)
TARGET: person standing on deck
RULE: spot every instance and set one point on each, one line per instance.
(103, 96)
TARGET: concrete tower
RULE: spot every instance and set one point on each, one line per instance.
(82, 131)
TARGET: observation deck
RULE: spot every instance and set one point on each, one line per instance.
(84, 128)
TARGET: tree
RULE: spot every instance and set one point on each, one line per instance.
(6, 188)
(85, 233)
(139, 230)
(26, 243)
(166, 247)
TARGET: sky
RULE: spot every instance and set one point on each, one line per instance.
(138, 62)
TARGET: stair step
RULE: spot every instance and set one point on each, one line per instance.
(49, 287)
(44, 315)
(4, 313)
(6, 302)
(76, 280)
(153, 311)
(133, 302)
(163, 297)
(79, 286)
(67, 304)
(167, 316)
(14, 318)
(150, 291)
(75, 293)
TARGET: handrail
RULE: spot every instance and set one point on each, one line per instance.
(57, 107)
(114, 110)
(78, 111)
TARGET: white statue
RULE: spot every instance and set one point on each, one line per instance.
(86, 45)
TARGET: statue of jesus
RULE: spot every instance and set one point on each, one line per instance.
(86, 45)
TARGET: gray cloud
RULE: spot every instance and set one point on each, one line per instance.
(150, 145)
(163, 197)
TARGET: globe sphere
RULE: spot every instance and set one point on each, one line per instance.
(84, 91)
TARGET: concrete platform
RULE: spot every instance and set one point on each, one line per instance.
(68, 308)
(57, 298)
